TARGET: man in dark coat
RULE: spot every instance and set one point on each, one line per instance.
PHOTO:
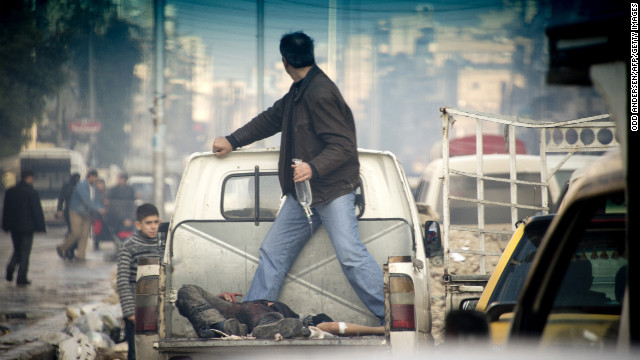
(22, 216)
(316, 126)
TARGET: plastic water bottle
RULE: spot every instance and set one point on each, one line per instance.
(303, 193)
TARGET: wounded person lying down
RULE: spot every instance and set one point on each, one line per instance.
(216, 316)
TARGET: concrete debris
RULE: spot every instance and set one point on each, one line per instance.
(92, 327)
(76, 347)
(91, 332)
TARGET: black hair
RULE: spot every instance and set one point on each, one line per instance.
(25, 173)
(145, 210)
(92, 172)
(124, 175)
(297, 49)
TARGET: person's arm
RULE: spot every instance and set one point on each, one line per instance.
(230, 297)
(6, 210)
(37, 213)
(84, 193)
(349, 329)
(125, 288)
(267, 123)
(61, 196)
(221, 146)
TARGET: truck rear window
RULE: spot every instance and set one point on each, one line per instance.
(245, 199)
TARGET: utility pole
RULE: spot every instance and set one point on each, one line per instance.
(159, 127)
(260, 55)
(92, 101)
(331, 48)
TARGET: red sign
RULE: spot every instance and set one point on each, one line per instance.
(85, 127)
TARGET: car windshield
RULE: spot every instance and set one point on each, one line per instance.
(515, 272)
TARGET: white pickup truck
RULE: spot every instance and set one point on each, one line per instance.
(223, 210)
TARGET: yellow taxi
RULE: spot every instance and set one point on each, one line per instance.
(501, 292)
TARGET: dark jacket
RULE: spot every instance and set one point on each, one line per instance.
(64, 198)
(22, 210)
(316, 124)
(122, 201)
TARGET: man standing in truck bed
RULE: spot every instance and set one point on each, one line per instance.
(317, 126)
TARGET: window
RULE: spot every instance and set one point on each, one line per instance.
(515, 272)
(596, 273)
(240, 199)
(588, 303)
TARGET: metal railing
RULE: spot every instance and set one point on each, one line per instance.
(589, 134)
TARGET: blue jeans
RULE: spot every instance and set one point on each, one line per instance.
(290, 232)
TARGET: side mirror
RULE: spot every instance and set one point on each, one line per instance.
(433, 242)
(469, 304)
(495, 310)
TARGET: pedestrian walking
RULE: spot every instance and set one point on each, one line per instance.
(22, 216)
(85, 203)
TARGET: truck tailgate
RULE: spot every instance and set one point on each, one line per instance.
(193, 344)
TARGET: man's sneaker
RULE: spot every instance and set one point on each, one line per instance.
(234, 327)
(287, 328)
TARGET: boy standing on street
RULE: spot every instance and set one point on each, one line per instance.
(142, 244)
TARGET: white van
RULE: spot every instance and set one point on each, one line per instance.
(528, 168)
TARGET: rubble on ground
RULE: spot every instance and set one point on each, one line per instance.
(92, 331)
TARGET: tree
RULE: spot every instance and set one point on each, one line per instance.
(115, 52)
(30, 69)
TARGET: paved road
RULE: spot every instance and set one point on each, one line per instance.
(55, 283)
